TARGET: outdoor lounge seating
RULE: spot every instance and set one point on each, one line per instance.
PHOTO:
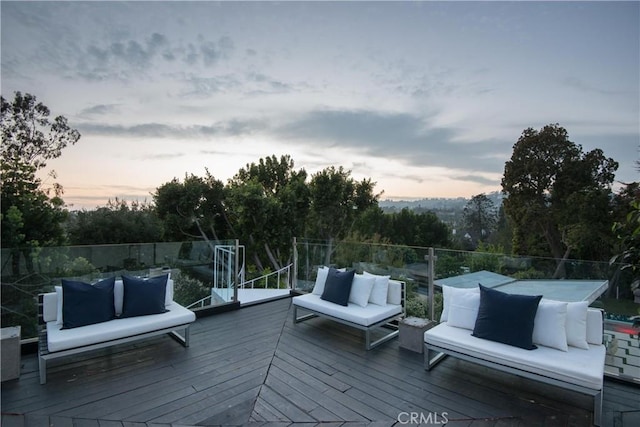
(58, 338)
(567, 348)
(371, 303)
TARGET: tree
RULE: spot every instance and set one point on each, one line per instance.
(31, 215)
(503, 235)
(192, 209)
(118, 222)
(627, 231)
(479, 218)
(554, 190)
(337, 202)
(416, 229)
(268, 203)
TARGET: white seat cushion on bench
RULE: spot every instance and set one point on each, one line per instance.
(576, 366)
(59, 339)
(353, 313)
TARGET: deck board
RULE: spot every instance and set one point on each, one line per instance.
(254, 366)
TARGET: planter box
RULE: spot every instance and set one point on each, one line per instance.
(412, 331)
(10, 350)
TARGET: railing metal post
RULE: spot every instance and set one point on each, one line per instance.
(236, 271)
(432, 261)
(293, 280)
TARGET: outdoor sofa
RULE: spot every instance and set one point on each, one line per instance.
(364, 301)
(563, 346)
(79, 317)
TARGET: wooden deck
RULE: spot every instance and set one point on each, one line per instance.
(255, 367)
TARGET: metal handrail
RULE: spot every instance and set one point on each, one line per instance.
(250, 284)
(245, 285)
(200, 302)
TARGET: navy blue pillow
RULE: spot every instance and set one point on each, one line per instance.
(338, 286)
(506, 318)
(85, 304)
(144, 296)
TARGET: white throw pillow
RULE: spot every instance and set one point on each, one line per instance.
(380, 289)
(361, 288)
(549, 327)
(321, 278)
(577, 324)
(448, 294)
(463, 310)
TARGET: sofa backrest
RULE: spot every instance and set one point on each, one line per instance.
(52, 302)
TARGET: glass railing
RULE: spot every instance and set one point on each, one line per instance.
(197, 269)
(211, 274)
(602, 284)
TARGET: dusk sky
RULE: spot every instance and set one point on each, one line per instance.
(426, 99)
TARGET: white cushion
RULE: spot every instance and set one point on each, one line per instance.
(576, 366)
(353, 313)
(463, 310)
(321, 278)
(361, 288)
(577, 324)
(380, 290)
(61, 339)
(449, 293)
(549, 325)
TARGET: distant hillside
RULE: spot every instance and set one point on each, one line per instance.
(448, 210)
(438, 203)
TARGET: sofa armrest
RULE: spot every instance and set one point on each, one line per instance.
(394, 295)
(49, 312)
(595, 326)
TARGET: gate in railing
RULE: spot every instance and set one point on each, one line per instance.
(228, 271)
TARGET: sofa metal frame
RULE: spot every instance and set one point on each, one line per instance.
(44, 355)
(385, 323)
(442, 352)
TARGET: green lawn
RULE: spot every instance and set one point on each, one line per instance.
(621, 306)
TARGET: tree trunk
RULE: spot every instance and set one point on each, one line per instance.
(559, 252)
(327, 260)
(274, 261)
(560, 272)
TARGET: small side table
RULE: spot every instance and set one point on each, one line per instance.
(412, 333)
(10, 350)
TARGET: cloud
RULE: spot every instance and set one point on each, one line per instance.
(411, 138)
(161, 156)
(581, 85)
(264, 84)
(198, 86)
(143, 56)
(98, 110)
(234, 127)
(478, 179)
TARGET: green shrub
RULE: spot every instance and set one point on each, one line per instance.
(187, 290)
(418, 306)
